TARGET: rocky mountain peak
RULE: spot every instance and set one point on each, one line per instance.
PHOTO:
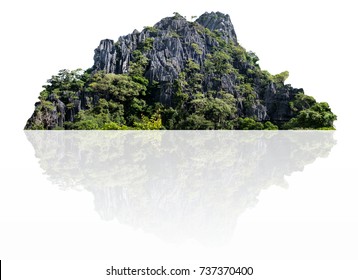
(218, 22)
(172, 23)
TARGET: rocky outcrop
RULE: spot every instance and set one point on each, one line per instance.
(175, 41)
(53, 113)
(196, 70)
(277, 101)
(105, 56)
(219, 22)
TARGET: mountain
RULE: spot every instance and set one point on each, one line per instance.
(177, 74)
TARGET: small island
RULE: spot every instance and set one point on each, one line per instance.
(176, 75)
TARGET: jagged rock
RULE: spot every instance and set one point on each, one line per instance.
(176, 41)
(49, 116)
(105, 56)
(219, 22)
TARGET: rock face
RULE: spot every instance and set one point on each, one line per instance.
(175, 42)
(219, 22)
(105, 56)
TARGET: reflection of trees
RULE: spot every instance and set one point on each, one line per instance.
(176, 184)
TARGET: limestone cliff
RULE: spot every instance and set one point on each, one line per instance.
(195, 69)
(176, 41)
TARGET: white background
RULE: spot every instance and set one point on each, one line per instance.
(314, 40)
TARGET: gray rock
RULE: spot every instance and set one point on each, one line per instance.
(176, 40)
(277, 102)
(219, 22)
(105, 56)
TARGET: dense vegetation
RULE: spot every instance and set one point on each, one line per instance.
(92, 99)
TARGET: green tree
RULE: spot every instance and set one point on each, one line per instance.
(302, 102)
(116, 87)
(219, 62)
(281, 78)
(153, 123)
(270, 126)
(248, 124)
(318, 116)
(197, 122)
(66, 80)
(114, 126)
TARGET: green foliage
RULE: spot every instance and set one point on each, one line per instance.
(192, 67)
(245, 90)
(302, 102)
(281, 78)
(177, 15)
(214, 35)
(37, 126)
(248, 124)
(153, 123)
(86, 125)
(252, 57)
(197, 122)
(116, 87)
(270, 126)
(84, 122)
(316, 117)
(114, 126)
(70, 106)
(217, 112)
(152, 30)
(66, 80)
(248, 95)
(174, 34)
(219, 63)
(146, 45)
(196, 48)
(251, 124)
(44, 95)
(310, 114)
(137, 68)
(238, 53)
(47, 105)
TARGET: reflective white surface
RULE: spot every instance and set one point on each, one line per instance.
(179, 196)
(278, 201)
(175, 185)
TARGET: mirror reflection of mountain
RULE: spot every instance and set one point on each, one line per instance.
(176, 184)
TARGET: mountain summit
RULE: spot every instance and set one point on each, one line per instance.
(177, 74)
